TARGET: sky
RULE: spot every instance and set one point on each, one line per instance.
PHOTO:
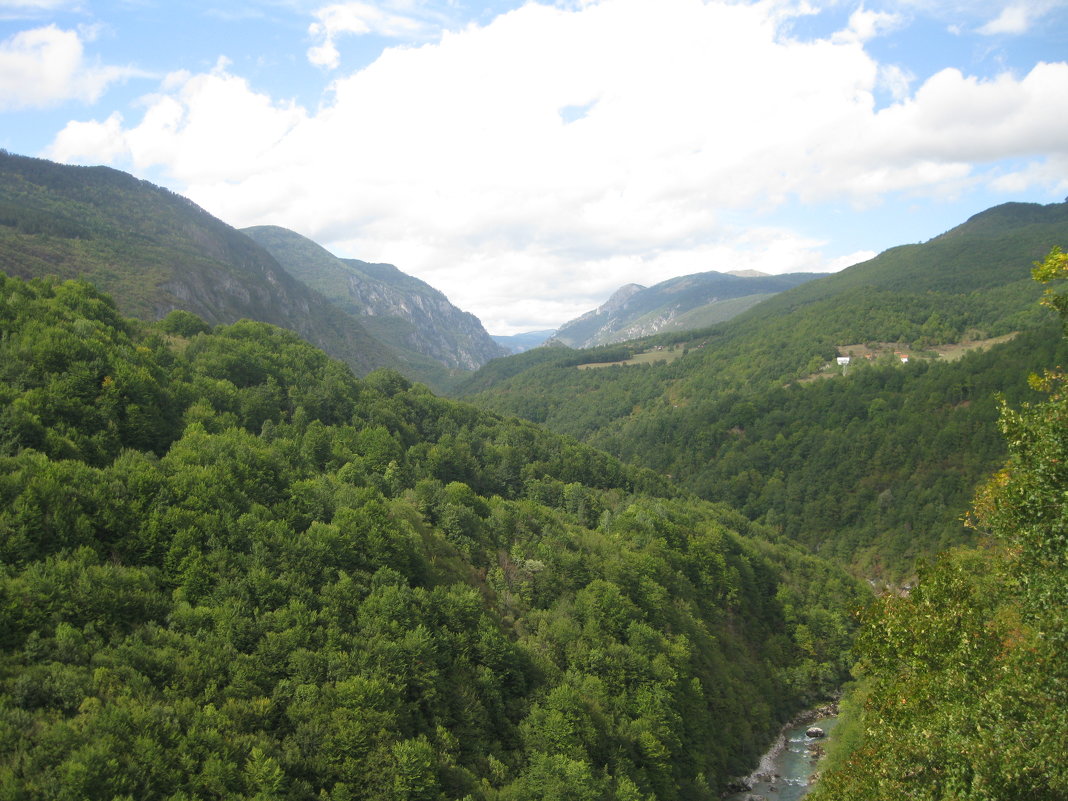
(529, 158)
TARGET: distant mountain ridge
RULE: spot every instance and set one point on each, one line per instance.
(398, 309)
(156, 251)
(519, 343)
(678, 304)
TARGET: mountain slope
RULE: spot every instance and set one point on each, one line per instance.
(873, 467)
(971, 282)
(678, 304)
(991, 253)
(397, 308)
(980, 638)
(156, 251)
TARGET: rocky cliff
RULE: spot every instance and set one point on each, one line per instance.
(406, 313)
(687, 302)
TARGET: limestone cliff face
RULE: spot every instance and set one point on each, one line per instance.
(437, 328)
(400, 310)
(690, 301)
(596, 325)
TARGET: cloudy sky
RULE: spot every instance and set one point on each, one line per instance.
(528, 158)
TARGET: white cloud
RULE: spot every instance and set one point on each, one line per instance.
(1049, 176)
(848, 260)
(865, 25)
(958, 118)
(1013, 19)
(987, 17)
(459, 162)
(1001, 16)
(896, 80)
(37, 5)
(358, 19)
(91, 141)
(210, 128)
(46, 66)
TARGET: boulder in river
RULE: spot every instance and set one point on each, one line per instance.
(814, 731)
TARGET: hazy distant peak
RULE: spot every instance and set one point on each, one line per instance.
(684, 302)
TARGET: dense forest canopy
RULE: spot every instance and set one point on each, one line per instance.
(230, 568)
(873, 467)
(962, 686)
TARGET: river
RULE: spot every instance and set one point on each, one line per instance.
(784, 771)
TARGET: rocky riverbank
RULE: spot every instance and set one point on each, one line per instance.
(787, 768)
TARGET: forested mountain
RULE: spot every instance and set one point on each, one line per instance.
(962, 685)
(678, 304)
(975, 276)
(230, 568)
(872, 467)
(156, 251)
(410, 315)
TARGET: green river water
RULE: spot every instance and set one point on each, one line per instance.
(784, 771)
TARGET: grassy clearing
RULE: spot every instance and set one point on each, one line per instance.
(874, 350)
(953, 352)
(661, 354)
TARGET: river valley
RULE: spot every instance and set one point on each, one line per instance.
(784, 771)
